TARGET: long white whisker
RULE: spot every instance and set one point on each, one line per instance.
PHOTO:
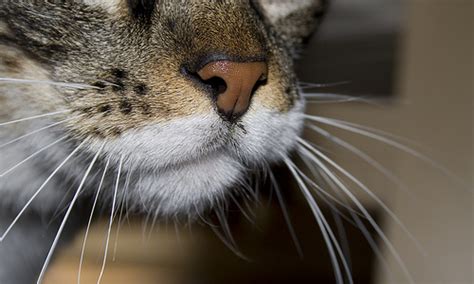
(45, 82)
(343, 253)
(302, 84)
(328, 202)
(372, 243)
(66, 216)
(337, 246)
(374, 224)
(364, 156)
(321, 98)
(249, 208)
(225, 226)
(38, 191)
(31, 156)
(33, 117)
(366, 190)
(286, 216)
(38, 130)
(340, 101)
(178, 237)
(326, 96)
(341, 231)
(322, 193)
(227, 243)
(117, 232)
(122, 206)
(111, 220)
(326, 232)
(145, 227)
(99, 189)
(395, 144)
(359, 129)
(242, 210)
(355, 215)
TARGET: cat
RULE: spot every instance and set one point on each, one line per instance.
(166, 105)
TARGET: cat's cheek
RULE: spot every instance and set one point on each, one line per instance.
(270, 135)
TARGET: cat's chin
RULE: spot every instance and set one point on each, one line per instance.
(186, 166)
(189, 188)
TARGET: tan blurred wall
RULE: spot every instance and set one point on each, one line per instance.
(434, 107)
(437, 80)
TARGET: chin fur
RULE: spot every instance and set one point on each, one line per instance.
(185, 166)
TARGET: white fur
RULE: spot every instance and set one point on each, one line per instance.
(279, 9)
(110, 6)
(193, 161)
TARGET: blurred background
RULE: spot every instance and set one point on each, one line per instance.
(414, 60)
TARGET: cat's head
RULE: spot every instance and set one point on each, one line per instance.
(190, 95)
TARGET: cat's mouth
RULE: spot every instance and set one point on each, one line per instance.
(179, 144)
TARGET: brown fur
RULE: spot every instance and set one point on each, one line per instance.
(137, 60)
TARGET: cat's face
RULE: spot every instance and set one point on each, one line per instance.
(190, 95)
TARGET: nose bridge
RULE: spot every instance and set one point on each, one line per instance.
(241, 78)
(227, 27)
(227, 51)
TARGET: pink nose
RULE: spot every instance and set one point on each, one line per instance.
(234, 83)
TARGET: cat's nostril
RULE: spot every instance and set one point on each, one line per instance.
(233, 84)
(218, 85)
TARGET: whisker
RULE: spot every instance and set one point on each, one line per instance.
(225, 226)
(358, 224)
(286, 216)
(364, 156)
(38, 191)
(45, 82)
(331, 242)
(242, 210)
(359, 128)
(38, 130)
(32, 156)
(155, 215)
(327, 96)
(66, 216)
(90, 220)
(323, 194)
(321, 102)
(395, 144)
(179, 240)
(253, 197)
(117, 234)
(250, 209)
(374, 224)
(111, 220)
(366, 190)
(145, 227)
(225, 241)
(321, 98)
(355, 216)
(344, 242)
(321, 85)
(344, 251)
(119, 223)
(34, 117)
(372, 243)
